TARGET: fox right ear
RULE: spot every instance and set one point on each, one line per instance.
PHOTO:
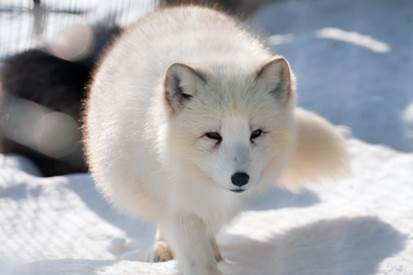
(181, 84)
(276, 77)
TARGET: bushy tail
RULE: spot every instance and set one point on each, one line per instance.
(320, 152)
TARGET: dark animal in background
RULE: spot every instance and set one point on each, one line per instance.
(41, 96)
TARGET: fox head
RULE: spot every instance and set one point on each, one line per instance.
(234, 128)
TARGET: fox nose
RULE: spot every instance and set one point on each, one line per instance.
(240, 179)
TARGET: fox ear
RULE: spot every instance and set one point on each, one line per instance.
(276, 77)
(181, 84)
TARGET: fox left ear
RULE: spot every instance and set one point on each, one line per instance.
(276, 77)
(181, 83)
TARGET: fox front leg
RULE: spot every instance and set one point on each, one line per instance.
(215, 249)
(161, 252)
(191, 244)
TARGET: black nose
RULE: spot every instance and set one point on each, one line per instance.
(240, 178)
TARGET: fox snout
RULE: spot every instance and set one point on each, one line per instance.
(240, 158)
(239, 179)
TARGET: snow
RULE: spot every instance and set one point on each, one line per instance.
(354, 65)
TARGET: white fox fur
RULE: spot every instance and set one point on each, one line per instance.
(189, 116)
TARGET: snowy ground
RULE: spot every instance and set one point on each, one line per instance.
(361, 226)
(354, 66)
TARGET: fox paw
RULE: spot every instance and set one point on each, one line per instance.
(161, 252)
(218, 257)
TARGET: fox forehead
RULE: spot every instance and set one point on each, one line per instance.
(236, 126)
(234, 110)
(227, 98)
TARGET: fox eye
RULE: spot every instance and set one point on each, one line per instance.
(255, 134)
(214, 136)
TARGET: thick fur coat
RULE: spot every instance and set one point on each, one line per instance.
(188, 117)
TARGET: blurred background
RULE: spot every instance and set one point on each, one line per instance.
(352, 60)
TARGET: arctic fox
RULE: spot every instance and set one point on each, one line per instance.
(188, 117)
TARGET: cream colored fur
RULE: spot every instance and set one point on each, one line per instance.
(185, 100)
(320, 152)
